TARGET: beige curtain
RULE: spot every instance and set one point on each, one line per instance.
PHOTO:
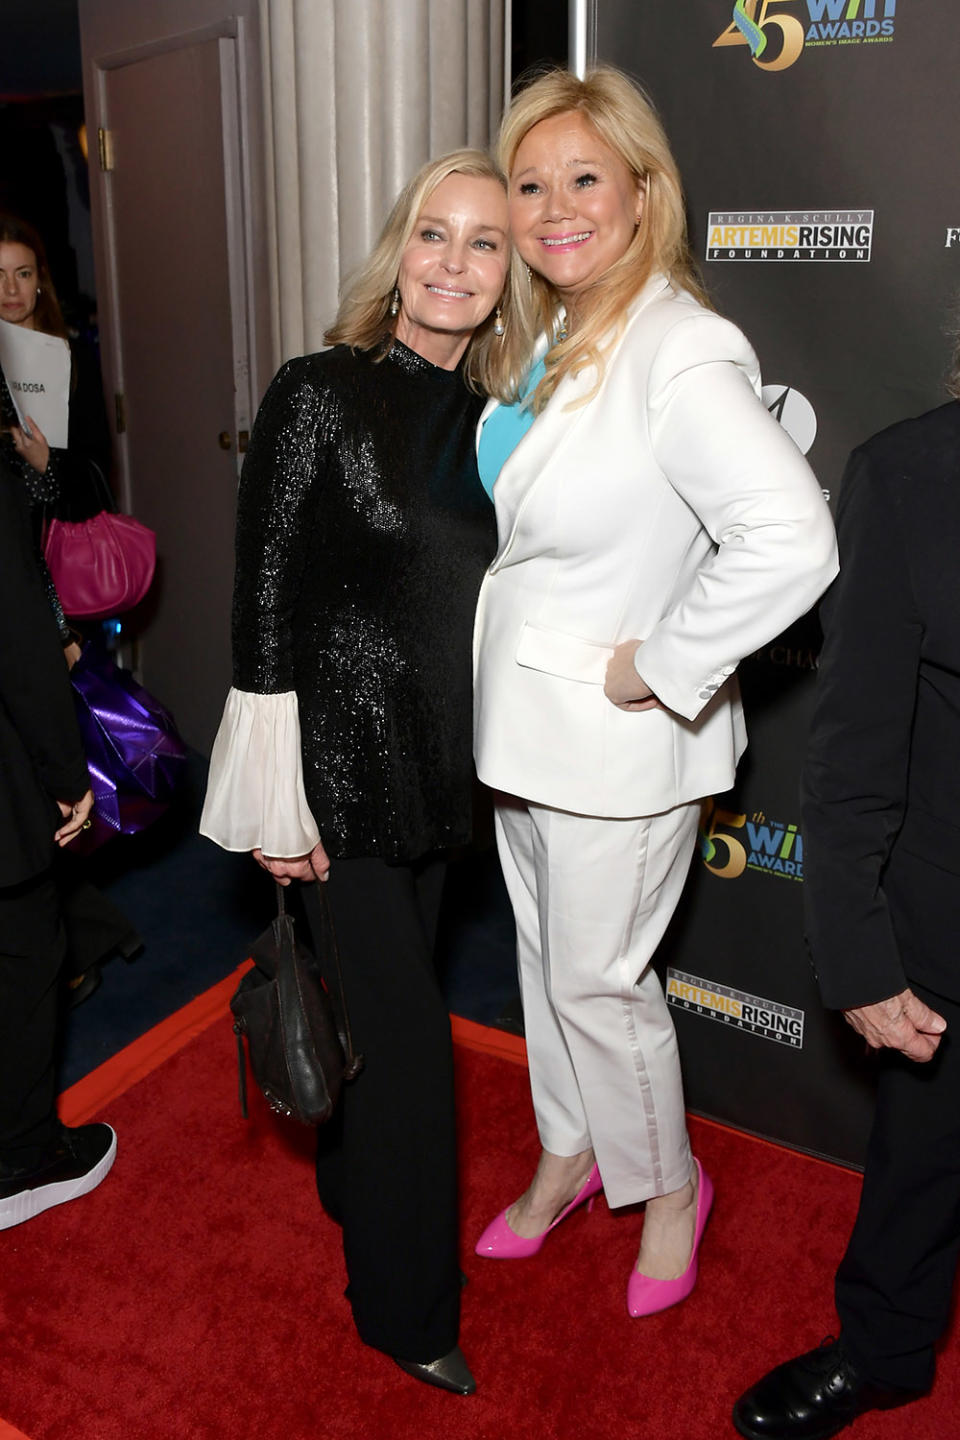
(358, 94)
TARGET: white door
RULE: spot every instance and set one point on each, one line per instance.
(176, 239)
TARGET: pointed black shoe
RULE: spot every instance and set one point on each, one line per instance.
(82, 1156)
(81, 987)
(812, 1397)
(450, 1372)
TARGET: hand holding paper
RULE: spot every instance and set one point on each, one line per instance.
(31, 443)
(36, 368)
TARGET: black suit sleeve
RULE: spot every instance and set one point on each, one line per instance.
(855, 777)
(35, 689)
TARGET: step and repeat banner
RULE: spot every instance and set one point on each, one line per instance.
(819, 143)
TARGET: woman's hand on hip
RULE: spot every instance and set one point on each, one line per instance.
(33, 447)
(315, 866)
(623, 686)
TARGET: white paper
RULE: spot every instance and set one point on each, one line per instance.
(36, 368)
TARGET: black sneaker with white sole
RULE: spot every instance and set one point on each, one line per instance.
(79, 1161)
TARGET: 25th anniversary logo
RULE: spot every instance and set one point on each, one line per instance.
(777, 31)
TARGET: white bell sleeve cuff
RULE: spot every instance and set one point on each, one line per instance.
(255, 796)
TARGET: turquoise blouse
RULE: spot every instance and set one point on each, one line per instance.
(504, 430)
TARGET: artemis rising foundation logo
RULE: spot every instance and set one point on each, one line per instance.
(765, 236)
(776, 32)
(741, 1011)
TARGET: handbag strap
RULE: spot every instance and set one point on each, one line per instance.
(354, 1062)
(88, 493)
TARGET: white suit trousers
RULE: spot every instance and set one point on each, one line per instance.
(592, 898)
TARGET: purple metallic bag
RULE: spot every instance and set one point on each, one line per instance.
(135, 756)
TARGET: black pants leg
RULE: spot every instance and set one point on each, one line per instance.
(895, 1283)
(95, 926)
(388, 1170)
(32, 948)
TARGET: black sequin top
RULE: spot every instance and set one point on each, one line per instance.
(363, 534)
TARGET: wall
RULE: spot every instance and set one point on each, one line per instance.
(843, 124)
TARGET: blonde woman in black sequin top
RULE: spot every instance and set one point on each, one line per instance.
(345, 750)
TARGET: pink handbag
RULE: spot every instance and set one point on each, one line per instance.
(102, 565)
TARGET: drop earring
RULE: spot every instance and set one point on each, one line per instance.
(498, 325)
(395, 301)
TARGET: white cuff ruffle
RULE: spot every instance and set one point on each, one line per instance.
(255, 796)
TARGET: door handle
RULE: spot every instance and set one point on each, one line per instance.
(225, 440)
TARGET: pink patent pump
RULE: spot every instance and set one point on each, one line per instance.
(646, 1296)
(499, 1242)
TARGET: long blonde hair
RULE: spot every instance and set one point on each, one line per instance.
(627, 122)
(364, 320)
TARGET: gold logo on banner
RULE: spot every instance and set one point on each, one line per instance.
(722, 853)
(752, 21)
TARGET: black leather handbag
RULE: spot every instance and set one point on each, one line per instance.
(299, 1042)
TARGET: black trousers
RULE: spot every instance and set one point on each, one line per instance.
(895, 1283)
(386, 1164)
(32, 948)
(96, 928)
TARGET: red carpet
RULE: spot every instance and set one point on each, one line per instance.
(198, 1293)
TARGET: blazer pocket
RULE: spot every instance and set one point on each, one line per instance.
(567, 656)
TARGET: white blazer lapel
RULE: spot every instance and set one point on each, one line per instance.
(525, 468)
(492, 404)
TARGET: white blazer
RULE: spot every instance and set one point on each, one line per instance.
(671, 508)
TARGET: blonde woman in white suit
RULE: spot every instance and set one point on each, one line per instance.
(655, 525)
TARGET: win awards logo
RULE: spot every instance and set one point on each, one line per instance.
(731, 844)
(777, 35)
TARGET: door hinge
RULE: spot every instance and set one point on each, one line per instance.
(120, 412)
(105, 148)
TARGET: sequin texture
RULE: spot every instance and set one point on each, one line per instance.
(362, 537)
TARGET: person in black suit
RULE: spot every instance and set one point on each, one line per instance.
(45, 799)
(64, 484)
(881, 820)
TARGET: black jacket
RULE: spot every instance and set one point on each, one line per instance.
(881, 811)
(41, 755)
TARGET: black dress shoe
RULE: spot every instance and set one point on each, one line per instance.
(812, 1397)
(81, 987)
(450, 1372)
